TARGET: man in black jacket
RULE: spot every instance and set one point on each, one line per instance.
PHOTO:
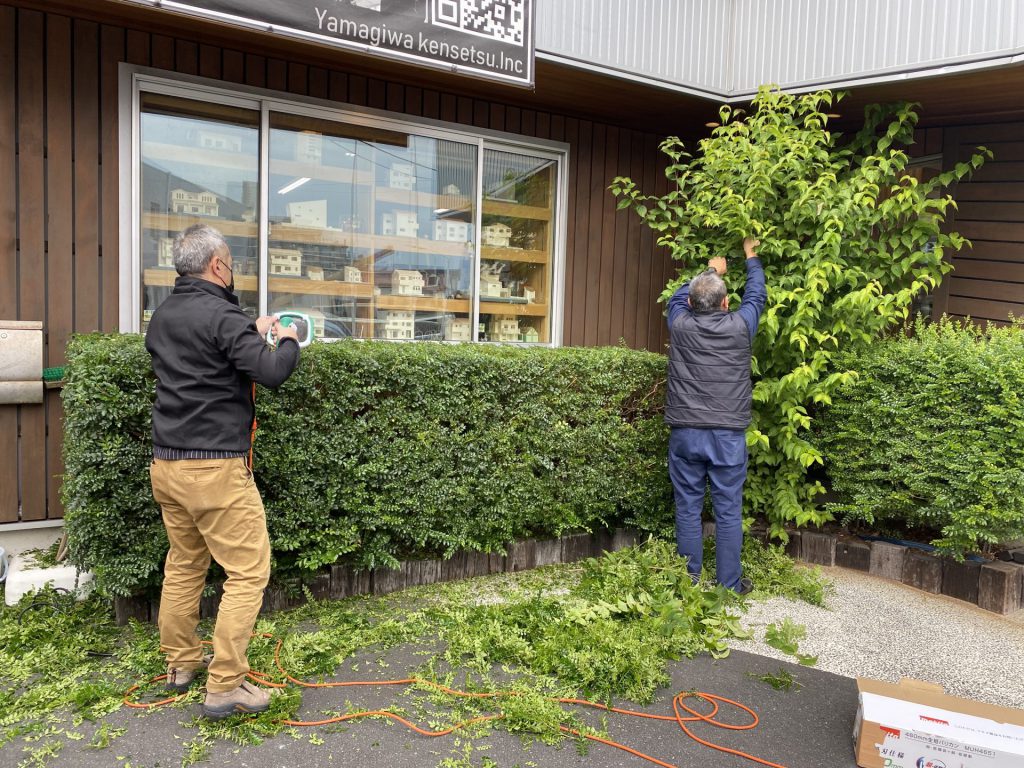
(708, 407)
(206, 354)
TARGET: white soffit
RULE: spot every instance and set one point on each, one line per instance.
(725, 49)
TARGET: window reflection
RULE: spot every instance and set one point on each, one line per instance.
(200, 164)
(370, 231)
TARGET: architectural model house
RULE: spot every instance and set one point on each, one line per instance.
(530, 295)
(315, 273)
(351, 274)
(220, 141)
(529, 334)
(504, 328)
(490, 286)
(165, 252)
(457, 329)
(309, 147)
(197, 203)
(451, 231)
(402, 224)
(286, 262)
(496, 235)
(308, 213)
(407, 282)
(397, 325)
(402, 176)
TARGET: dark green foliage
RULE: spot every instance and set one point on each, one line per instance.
(931, 435)
(113, 524)
(374, 452)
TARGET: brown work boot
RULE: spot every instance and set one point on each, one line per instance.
(179, 680)
(245, 698)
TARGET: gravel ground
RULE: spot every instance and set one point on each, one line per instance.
(880, 629)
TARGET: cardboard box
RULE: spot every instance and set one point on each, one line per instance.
(915, 725)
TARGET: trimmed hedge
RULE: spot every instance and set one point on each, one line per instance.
(931, 435)
(374, 452)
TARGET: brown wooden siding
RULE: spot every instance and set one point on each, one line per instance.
(987, 283)
(59, 181)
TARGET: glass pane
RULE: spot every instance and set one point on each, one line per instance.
(371, 231)
(200, 164)
(516, 247)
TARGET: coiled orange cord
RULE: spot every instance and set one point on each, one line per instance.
(679, 707)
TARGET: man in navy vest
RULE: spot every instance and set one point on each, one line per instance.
(708, 409)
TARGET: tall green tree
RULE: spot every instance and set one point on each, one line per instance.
(848, 240)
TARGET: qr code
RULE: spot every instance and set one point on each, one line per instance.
(500, 20)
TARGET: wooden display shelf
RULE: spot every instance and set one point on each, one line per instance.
(508, 308)
(392, 243)
(423, 303)
(377, 243)
(515, 210)
(317, 236)
(423, 199)
(513, 254)
(219, 158)
(166, 277)
(319, 287)
(175, 222)
(320, 172)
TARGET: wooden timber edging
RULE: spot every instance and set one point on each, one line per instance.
(996, 586)
(341, 581)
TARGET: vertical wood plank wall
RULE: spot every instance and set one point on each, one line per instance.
(59, 180)
(987, 283)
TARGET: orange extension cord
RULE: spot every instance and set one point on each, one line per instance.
(678, 707)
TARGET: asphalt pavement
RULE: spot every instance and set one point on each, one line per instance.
(808, 726)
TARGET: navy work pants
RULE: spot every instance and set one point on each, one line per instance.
(697, 457)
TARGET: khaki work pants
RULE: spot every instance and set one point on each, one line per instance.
(211, 507)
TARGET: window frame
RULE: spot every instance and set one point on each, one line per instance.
(135, 80)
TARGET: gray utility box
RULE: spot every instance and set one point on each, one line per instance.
(21, 362)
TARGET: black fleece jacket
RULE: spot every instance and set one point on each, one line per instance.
(206, 354)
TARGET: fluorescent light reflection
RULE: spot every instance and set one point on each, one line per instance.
(294, 185)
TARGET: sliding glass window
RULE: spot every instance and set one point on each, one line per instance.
(375, 231)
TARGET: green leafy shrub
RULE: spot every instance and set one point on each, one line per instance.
(931, 434)
(847, 240)
(607, 634)
(375, 451)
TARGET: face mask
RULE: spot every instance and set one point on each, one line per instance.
(230, 286)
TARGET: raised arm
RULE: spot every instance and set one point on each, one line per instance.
(755, 295)
(679, 303)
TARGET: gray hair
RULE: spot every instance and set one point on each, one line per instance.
(707, 291)
(194, 248)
